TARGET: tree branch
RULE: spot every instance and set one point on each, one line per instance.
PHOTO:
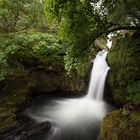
(123, 28)
(93, 37)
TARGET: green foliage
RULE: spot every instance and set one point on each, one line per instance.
(134, 92)
(93, 17)
(78, 52)
(80, 22)
(79, 63)
(20, 50)
(124, 77)
(18, 15)
(124, 12)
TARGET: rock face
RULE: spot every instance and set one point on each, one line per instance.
(124, 76)
(123, 89)
(50, 80)
(14, 93)
(16, 89)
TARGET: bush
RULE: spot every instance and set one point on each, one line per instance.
(20, 49)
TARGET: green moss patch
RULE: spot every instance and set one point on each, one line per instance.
(7, 117)
(15, 93)
(117, 126)
(124, 76)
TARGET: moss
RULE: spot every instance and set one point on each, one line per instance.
(117, 126)
(8, 110)
(134, 92)
(14, 99)
(15, 92)
(124, 58)
(7, 118)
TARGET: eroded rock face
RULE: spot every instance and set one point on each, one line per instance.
(48, 81)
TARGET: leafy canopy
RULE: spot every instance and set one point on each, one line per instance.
(95, 17)
(17, 15)
(18, 50)
(82, 21)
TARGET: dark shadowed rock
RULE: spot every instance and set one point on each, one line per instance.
(26, 129)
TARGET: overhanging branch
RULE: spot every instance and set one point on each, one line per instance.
(123, 28)
(93, 37)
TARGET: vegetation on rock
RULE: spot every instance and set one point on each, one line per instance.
(82, 21)
(19, 15)
(19, 50)
(117, 126)
(124, 77)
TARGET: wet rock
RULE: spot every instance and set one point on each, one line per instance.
(26, 129)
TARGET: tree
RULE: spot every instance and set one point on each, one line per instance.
(99, 16)
(17, 15)
(82, 21)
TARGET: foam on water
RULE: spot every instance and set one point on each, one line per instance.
(70, 112)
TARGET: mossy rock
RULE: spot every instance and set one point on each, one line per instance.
(121, 125)
(7, 118)
(123, 59)
(15, 92)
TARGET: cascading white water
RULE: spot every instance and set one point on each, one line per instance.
(79, 118)
(98, 76)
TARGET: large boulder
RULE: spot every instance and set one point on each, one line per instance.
(26, 129)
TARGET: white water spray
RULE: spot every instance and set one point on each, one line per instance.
(98, 76)
(78, 118)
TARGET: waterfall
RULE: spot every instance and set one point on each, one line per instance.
(78, 118)
(98, 76)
